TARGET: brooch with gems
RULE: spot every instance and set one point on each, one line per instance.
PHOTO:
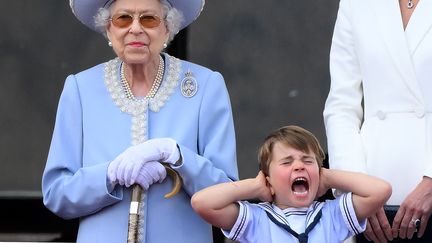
(189, 85)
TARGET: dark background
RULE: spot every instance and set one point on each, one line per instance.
(273, 55)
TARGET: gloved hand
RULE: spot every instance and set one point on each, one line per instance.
(150, 173)
(125, 168)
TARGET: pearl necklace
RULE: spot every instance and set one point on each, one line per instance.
(154, 88)
(138, 108)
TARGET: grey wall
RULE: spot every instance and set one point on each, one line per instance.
(273, 55)
(41, 42)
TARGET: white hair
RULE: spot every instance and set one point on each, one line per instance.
(173, 19)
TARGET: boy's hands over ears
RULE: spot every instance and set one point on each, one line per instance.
(264, 192)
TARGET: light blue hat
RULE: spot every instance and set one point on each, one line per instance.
(85, 10)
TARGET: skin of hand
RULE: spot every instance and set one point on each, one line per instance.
(378, 227)
(369, 193)
(322, 188)
(217, 204)
(417, 205)
(264, 192)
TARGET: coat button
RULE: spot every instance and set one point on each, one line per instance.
(420, 113)
(381, 115)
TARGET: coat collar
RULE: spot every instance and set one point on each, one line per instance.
(420, 24)
(402, 45)
(281, 215)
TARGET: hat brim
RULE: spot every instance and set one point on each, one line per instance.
(85, 10)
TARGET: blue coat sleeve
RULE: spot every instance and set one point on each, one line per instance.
(215, 161)
(69, 189)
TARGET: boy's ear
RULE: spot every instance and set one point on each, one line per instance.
(270, 185)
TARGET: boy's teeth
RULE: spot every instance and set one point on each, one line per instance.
(300, 193)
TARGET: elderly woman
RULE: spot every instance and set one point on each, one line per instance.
(116, 122)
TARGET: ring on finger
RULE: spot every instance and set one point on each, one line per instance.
(416, 223)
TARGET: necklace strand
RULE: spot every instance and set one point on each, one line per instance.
(154, 88)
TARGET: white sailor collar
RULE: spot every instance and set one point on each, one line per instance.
(282, 215)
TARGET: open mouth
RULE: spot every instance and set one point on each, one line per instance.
(300, 186)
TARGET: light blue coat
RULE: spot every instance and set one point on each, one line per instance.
(91, 130)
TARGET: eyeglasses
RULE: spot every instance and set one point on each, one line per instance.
(125, 20)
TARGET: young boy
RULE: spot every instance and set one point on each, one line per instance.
(292, 179)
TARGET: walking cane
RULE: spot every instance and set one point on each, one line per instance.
(136, 203)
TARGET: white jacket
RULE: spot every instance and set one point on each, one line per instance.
(374, 60)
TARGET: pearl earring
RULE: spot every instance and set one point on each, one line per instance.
(109, 43)
(165, 45)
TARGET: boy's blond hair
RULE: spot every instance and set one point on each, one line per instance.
(292, 136)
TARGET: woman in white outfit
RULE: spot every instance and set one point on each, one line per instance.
(378, 114)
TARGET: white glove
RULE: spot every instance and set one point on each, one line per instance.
(150, 173)
(125, 168)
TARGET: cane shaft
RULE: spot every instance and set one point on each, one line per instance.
(136, 204)
(134, 214)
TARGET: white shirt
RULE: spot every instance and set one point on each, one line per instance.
(337, 223)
